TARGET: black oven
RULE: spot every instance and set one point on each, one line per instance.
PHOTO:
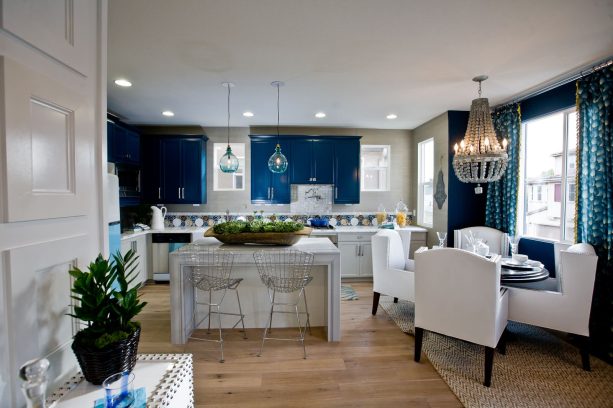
(129, 180)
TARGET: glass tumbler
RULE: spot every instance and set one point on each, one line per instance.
(119, 390)
(442, 237)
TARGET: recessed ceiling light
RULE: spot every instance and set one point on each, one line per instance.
(123, 82)
(392, 116)
(168, 113)
(248, 114)
(320, 115)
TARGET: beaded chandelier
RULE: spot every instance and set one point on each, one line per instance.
(480, 158)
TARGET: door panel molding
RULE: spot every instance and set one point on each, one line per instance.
(48, 148)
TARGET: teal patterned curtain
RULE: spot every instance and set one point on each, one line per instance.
(501, 204)
(594, 211)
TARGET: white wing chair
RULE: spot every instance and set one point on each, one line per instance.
(567, 310)
(498, 241)
(458, 294)
(392, 271)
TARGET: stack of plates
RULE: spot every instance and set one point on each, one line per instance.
(513, 270)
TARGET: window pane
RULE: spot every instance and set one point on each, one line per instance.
(425, 165)
(544, 159)
(375, 164)
(569, 232)
(226, 181)
(374, 179)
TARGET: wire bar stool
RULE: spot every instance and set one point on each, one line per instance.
(210, 271)
(285, 271)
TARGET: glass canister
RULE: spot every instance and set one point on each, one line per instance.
(401, 214)
(381, 214)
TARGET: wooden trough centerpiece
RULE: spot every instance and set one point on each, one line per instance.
(258, 232)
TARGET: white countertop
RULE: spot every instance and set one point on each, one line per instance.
(335, 231)
(316, 246)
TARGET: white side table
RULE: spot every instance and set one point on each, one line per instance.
(167, 378)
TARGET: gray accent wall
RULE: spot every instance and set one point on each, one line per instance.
(436, 128)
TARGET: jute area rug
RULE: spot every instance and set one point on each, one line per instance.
(538, 370)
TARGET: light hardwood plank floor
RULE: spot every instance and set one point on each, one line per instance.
(372, 366)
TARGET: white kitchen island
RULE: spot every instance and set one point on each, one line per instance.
(324, 293)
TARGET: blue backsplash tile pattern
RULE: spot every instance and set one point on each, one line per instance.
(179, 220)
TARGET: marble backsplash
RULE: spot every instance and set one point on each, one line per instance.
(335, 219)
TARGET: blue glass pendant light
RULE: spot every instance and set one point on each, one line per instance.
(228, 162)
(277, 163)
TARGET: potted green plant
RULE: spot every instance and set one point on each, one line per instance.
(106, 303)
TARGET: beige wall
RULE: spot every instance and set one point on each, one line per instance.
(436, 128)
(240, 201)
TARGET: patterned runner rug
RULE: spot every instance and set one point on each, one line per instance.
(348, 293)
(538, 370)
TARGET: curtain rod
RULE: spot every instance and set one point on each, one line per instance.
(573, 77)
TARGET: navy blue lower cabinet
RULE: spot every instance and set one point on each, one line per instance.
(347, 172)
(268, 187)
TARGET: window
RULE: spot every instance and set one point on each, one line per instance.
(375, 165)
(425, 163)
(547, 199)
(229, 181)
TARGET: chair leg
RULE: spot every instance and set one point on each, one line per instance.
(240, 311)
(585, 352)
(489, 365)
(375, 302)
(419, 335)
(220, 334)
(208, 330)
(306, 309)
(502, 343)
(272, 306)
(395, 300)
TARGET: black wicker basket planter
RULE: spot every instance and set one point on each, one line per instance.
(97, 365)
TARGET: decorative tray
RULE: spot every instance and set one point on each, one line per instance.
(261, 238)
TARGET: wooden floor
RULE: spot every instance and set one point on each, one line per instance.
(372, 366)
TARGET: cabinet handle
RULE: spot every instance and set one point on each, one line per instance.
(159, 193)
(314, 178)
(179, 192)
(268, 195)
(272, 193)
(357, 250)
(335, 192)
(183, 193)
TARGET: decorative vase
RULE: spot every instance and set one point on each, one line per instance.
(97, 365)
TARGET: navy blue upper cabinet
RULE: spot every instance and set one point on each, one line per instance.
(123, 144)
(151, 173)
(312, 161)
(174, 169)
(347, 171)
(266, 186)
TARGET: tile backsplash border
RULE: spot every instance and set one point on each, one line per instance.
(182, 220)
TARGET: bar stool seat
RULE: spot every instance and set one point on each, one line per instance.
(285, 271)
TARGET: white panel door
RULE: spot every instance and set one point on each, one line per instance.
(49, 151)
(366, 260)
(58, 28)
(350, 261)
(52, 161)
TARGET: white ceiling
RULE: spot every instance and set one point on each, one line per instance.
(356, 60)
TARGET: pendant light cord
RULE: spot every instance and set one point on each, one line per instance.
(229, 115)
(278, 86)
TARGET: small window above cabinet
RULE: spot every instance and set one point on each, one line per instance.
(229, 181)
(375, 163)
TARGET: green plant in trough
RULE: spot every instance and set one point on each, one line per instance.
(106, 307)
(236, 227)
